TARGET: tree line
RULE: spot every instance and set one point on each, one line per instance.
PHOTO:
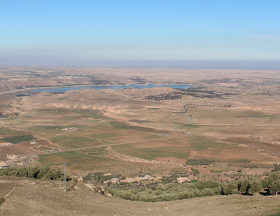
(37, 172)
(155, 192)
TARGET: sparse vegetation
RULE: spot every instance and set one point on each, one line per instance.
(199, 162)
(98, 177)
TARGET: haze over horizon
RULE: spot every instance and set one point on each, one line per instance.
(181, 34)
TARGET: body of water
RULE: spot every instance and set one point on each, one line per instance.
(64, 89)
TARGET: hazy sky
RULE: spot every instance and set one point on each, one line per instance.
(61, 31)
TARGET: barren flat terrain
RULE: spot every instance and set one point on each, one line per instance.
(229, 117)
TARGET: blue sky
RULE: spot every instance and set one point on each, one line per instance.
(53, 31)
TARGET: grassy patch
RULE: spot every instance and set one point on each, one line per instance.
(45, 131)
(122, 125)
(75, 142)
(106, 135)
(91, 161)
(152, 153)
(58, 158)
(7, 132)
(95, 151)
(17, 139)
(255, 114)
(203, 143)
(187, 126)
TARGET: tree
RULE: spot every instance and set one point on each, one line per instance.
(273, 177)
(275, 187)
(255, 185)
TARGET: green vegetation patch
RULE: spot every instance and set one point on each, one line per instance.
(37, 172)
(81, 160)
(172, 191)
(106, 135)
(122, 125)
(167, 189)
(255, 114)
(71, 114)
(42, 131)
(58, 158)
(95, 151)
(189, 126)
(88, 113)
(99, 177)
(7, 132)
(203, 143)
(75, 142)
(153, 153)
(18, 139)
(276, 214)
(195, 171)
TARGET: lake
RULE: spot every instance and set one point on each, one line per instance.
(64, 89)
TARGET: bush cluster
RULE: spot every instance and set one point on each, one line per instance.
(37, 172)
(99, 177)
(195, 172)
(172, 191)
(176, 191)
(170, 179)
